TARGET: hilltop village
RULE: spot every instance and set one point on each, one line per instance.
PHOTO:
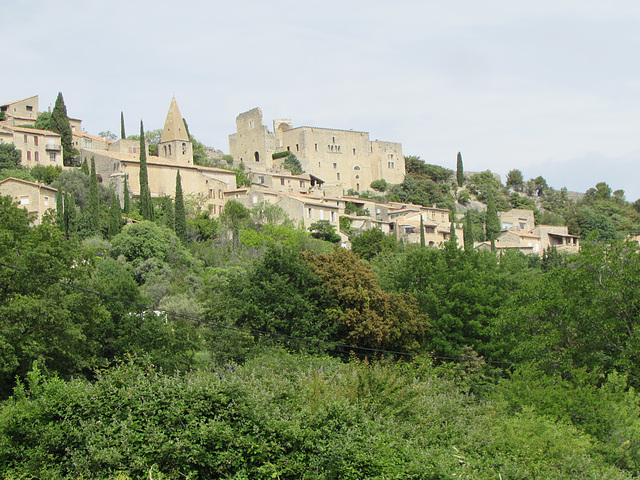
(313, 174)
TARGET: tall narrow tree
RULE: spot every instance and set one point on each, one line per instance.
(122, 134)
(169, 214)
(126, 200)
(60, 125)
(459, 171)
(60, 209)
(180, 215)
(114, 216)
(422, 238)
(94, 200)
(467, 234)
(70, 224)
(146, 206)
(85, 166)
(492, 222)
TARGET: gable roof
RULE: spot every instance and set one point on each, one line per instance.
(26, 182)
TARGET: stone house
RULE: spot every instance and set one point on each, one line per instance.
(37, 198)
(20, 112)
(517, 219)
(346, 159)
(37, 147)
(557, 236)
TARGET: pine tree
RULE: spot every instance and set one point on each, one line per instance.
(114, 216)
(492, 222)
(126, 201)
(468, 234)
(459, 171)
(180, 215)
(146, 206)
(94, 200)
(122, 134)
(422, 239)
(60, 125)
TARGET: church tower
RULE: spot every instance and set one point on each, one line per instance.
(174, 142)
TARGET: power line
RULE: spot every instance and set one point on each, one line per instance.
(347, 349)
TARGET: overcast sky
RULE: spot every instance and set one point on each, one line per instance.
(549, 87)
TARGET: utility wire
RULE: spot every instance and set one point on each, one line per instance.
(348, 349)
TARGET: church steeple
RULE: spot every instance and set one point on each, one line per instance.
(174, 142)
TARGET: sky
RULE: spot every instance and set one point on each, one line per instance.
(547, 87)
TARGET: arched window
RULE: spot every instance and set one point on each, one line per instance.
(169, 150)
(184, 148)
(257, 156)
(356, 167)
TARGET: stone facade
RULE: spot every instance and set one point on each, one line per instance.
(344, 158)
(35, 197)
(37, 147)
(86, 140)
(517, 219)
(21, 112)
(174, 142)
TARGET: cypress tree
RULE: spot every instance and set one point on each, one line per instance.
(94, 200)
(180, 215)
(60, 125)
(114, 216)
(85, 167)
(422, 239)
(459, 171)
(468, 234)
(169, 214)
(126, 201)
(492, 222)
(60, 209)
(122, 134)
(146, 206)
(70, 223)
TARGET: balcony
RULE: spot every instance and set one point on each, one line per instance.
(53, 147)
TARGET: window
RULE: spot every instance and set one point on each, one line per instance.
(24, 200)
(28, 154)
(37, 156)
(338, 174)
(220, 194)
(321, 214)
(29, 108)
(391, 165)
(256, 155)
(301, 184)
(335, 165)
(357, 177)
(169, 149)
(282, 181)
(354, 151)
(184, 148)
(297, 147)
(356, 167)
(333, 216)
(46, 201)
(309, 213)
(316, 147)
(261, 179)
(211, 193)
(251, 124)
(86, 142)
(26, 139)
(52, 157)
(357, 187)
(334, 140)
(35, 140)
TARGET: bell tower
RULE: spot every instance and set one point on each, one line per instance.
(174, 142)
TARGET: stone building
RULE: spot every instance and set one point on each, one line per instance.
(122, 160)
(36, 147)
(37, 198)
(20, 112)
(344, 158)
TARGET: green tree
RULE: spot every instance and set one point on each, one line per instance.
(60, 125)
(292, 164)
(515, 180)
(146, 205)
(492, 222)
(84, 168)
(234, 214)
(122, 133)
(459, 170)
(43, 122)
(323, 230)
(468, 234)
(126, 201)
(379, 185)
(47, 174)
(115, 217)
(369, 243)
(9, 156)
(70, 215)
(60, 220)
(423, 241)
(180, 214)
(94, 200)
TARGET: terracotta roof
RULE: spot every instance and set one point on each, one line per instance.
(32, 130)
(34, 184)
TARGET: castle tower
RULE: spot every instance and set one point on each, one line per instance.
(174, 142)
